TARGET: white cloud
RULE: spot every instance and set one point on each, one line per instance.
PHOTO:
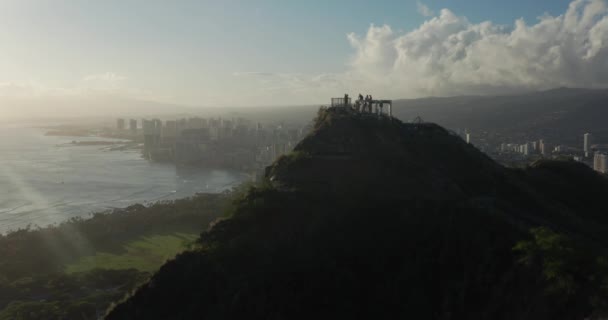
(106, 76)
(18, 89)
(90, 88)
(107, 81)
(253, 73)
(424, 10)
(449, 55)
(30, 89)
(294, 88)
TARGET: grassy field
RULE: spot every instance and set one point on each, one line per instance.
(144, 254)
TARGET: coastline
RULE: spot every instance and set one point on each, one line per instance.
(46, 184)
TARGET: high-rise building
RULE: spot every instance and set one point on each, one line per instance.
(587, 141)
(468, 137)
(197, 123)
(169, 132)
(152, 131)
(182, 124)
(600, 162)
(525, 149)
(227, 123)
(133, 126)
(120, 124)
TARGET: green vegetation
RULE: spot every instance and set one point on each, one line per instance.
(60, 296)
(145, 254)
(78, 269)
(569, 267)
(48, 250)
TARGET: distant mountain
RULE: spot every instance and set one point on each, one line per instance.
(67, 107)
(559, 115)
(377, 219)
(562, 114)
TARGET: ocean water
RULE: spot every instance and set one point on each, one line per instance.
(46, 180)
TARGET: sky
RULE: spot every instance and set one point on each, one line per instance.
(292, 52)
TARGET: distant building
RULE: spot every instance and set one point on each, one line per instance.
(545, 148)
(587, 141)
(169, 132)
(192, 146)
(468, 137)
(120, 124)
(152, 134)
(214, 123)
(227, 124)
(133, 126)
(525, 149)
(600, 162)
(197, 123)
(182, 124)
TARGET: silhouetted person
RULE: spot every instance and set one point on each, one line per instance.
(364, 104)
(359, 103)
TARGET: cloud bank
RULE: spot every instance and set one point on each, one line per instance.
(448, 55)
(100, 94)
(102, 83)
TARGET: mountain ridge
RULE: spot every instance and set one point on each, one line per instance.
(559, 115)
(374, 218)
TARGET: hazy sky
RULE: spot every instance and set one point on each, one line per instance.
(208, 53)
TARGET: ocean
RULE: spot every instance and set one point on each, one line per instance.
(46, 180)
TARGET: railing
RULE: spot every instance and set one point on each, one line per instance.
(339, 102)
(370, 106)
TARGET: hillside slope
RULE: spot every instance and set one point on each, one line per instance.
(562, 114)
(376, 219)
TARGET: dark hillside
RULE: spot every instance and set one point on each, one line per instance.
(371, 218)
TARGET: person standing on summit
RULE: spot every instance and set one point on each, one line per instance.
(368, 103)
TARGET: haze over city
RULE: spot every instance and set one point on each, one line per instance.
(59, 57)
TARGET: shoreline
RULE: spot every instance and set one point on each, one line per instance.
(47, 183)
(146, 203)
